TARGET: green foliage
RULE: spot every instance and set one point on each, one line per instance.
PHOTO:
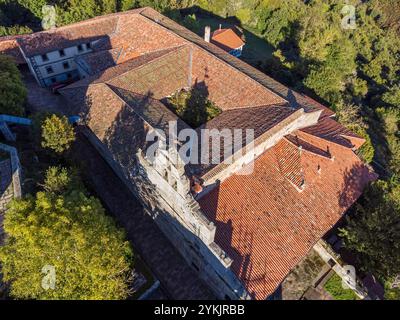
(367, 150)
(335, 288)
(373, 231)
(191, 23)
(57, 133)
(327, 79)
(12, 89)
(392, 96)
(71, 233)
(391, 293)
(14, 30)
(59, 180)
(193, 107)
(390, 119)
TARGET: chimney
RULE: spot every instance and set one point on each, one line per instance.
(207, 33)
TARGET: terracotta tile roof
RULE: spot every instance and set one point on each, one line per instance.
(333, 131)
(151, 110)
(261, 119)
(226, 39)
(120, 69)
(306, 146)
(266, 225)
(98, 61)
(263, 221)
(90, 30)
(9, 46)
(288, 157)
(294, 98)
(160, 77)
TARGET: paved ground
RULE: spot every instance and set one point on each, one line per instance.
(41, 99)
(304, 277)
(178, 280)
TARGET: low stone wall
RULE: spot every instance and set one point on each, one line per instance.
(10, 187)
(6, 187)
(15, 169)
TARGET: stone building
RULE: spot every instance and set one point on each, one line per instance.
(241, 231)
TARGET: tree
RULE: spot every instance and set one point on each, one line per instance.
(193, 107)
(57, 133)
(59, 180)
(68, 236)
(374, 230)
(12, 89)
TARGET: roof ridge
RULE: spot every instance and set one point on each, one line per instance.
(325, 138)
(307, 149)
(203, 48)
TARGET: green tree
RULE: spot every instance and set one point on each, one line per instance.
(59, 180)
(57, 133)
(70, 234)
(193, 107)
(12, 89)
(374, 230)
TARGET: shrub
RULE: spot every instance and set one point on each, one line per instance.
(57, 133)
(193, 107)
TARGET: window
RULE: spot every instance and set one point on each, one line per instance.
(45, 57)
(69, 75)
(88, 46)
(66, 65)
(53, 80)
(61, 52)
(49, 70)
(80, 48)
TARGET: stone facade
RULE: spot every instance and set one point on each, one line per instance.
(167, 200)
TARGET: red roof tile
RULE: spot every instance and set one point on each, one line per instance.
(226, 39)
(9, 46)
(333, 131)
(266, 225)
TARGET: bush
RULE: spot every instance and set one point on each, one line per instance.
(12, 89)
(367, 151)
(59, 180)
(57, 133)
(64, 246)
(193, 107)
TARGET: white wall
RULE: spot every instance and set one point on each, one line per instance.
(54, 56)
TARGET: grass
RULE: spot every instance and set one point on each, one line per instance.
(334, 287)
(256, 48)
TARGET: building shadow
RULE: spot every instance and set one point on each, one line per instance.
(14, 14)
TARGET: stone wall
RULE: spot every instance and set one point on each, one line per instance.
(6, 186)
(184, 225)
